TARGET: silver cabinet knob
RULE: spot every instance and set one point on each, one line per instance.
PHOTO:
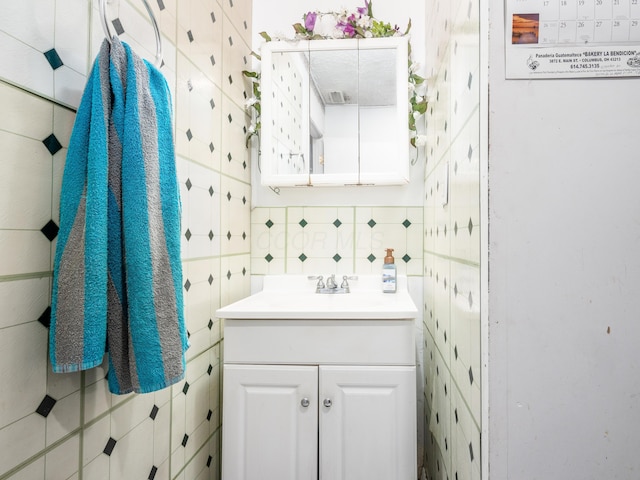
(304, 402)
(327, 402)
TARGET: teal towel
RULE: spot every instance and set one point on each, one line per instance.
(117, 282)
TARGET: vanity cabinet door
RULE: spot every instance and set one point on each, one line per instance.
(270, 422)
(367, 423)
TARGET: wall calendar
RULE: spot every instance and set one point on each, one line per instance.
(572, 38)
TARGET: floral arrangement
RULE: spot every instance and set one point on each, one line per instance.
(359, 23)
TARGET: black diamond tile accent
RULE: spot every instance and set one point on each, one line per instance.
(50, 230)
(269, 223)
(244, 165)
(455, 229)
(187, 285)
(152, 473)
(302, 223)
(268, 258)
(406, 258)
(228, 274)
(229, 196)
(470, 300)
(371, 223)
(211, 147)
(244, 23)
(45, 318)
(161, 5)
(108, 448)
(337, 223)
(46, 405)
(189, 135)
(455, 412)
(470, 376)
(244, 58)
(185, 439)
(154, 412)
(229, 235)
(210, 369)
(213, 17)
(52, 144)
(210, 324)
(445, 336)
(53, 58)
(212, 103)
(302, 257)
(371, 257)
(188, 184)
(185, 389)
(213, 60)
(244, 235)
(470, 81)
(189, 85)
(211, 235)
(210, 279)
(187, 234)
(209, 414)
(471, 451)
(188, 334)
(231, 3)
(437, 418)
(209, 459)
(190, 35)
(470, 152)
(470, 226)
(244, 272)
(230, 40)
(337, 258)
(117, 25)
(455, 290)
(230, 118)
(244, 200)
(229, 157)
(455, 351)
(406, 223)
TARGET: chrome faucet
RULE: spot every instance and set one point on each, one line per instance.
(331, 281)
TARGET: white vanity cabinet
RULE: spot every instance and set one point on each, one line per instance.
(319, 387)
(329, 422)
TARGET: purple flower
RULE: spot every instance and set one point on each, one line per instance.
(364, 10)
(310, 21)
(348, 29)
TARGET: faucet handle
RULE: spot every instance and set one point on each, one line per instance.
(331, 281)
(345, 283)
(320, 283)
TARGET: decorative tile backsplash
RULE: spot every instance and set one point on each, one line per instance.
(68, 426)
(323, 240)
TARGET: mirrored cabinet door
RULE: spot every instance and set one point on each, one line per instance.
(334, 112)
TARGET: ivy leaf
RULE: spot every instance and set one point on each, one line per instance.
(266, 36)
(370, 9)
(256, 55)
(247, 73)
(299, 28)
(417, 79)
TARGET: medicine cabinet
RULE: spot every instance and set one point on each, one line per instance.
(335, 112)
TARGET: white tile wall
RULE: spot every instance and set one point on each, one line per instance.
(68, 426)
(452, 243)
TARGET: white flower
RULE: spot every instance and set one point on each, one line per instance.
(250, 101)
(421, 140)
(252, 128)
(412, 88)
(416, 115)
(368, 34)
(414, 67)
(419, 99)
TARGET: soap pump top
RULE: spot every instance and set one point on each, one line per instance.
(389, 258)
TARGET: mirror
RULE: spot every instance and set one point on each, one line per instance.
(335, 112)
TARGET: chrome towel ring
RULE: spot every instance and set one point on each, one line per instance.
(154, 23)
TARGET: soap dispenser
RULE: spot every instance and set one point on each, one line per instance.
(389, 273)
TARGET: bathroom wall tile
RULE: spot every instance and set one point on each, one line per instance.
(21, 440)
(23, 300)
(62, 463)
(235, 282)
(72, 34)
(132, 456)
(268, 240)
(199, 36)
(198, 115)
(25, 252)
(235, 160)
(25, 66)
(161, 436)
(64, 418)
(130, 415)
(199, 275)
(235, 216)
(29, 472)
(31, 26)
(442, 314)
(25, 192)
(25, 114)
(97, 469)
(239, 12)
(28, 383)
(429, 293)
(236, 57)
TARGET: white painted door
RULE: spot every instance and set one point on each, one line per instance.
(270, 422)
(367, 423)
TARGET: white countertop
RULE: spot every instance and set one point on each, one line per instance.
(294, 297)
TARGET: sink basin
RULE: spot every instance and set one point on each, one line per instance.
(294, 297)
